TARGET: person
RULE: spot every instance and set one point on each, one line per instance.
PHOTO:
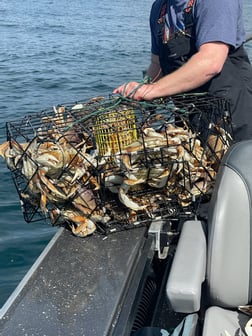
(197, 46)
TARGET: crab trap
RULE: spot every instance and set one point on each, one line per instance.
(113, 163)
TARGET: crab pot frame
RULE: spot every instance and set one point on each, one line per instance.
(116, 162)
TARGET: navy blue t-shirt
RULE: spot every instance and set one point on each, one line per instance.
(215, 21)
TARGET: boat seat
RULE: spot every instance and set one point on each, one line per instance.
(228, 280)
(219, 321)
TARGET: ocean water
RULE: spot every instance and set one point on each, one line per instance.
(58, 51)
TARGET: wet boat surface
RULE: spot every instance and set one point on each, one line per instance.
(80, 286)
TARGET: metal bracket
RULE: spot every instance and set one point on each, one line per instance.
(159, 245)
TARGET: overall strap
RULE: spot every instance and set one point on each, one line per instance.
(162, 12)
(189, 15)
(189, 6)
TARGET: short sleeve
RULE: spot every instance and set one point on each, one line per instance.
(219, 21)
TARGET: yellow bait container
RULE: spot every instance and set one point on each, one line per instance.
(114, 130)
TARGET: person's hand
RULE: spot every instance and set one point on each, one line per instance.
(136, 91)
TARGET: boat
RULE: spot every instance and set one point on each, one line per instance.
(149, 278)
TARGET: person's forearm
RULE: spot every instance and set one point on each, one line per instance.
(200, 69)
(196, 72)
(154, 70)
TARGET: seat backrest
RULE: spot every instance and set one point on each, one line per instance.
(229, 264)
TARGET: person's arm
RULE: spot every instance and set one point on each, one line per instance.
(154, 71)
(200, 68)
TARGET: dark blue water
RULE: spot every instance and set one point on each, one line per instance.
(57, 51)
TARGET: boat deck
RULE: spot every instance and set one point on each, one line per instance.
(79, 287)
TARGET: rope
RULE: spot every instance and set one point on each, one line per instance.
(116, 101)
(145, 80)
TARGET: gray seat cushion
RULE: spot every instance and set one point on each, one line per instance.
(229, 265)
(223, 322)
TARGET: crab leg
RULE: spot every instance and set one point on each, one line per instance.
(129, 203)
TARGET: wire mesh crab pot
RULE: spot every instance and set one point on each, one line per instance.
(113, 163)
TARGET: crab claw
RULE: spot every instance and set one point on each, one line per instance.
(86, 228)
